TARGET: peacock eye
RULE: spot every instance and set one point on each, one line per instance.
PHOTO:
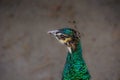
(62, 37)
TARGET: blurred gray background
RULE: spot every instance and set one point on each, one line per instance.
(27, 52)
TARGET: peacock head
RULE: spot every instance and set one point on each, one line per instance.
(67, 36)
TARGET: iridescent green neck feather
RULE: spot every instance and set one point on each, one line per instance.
(75, 67)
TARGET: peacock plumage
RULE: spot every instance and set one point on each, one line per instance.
(75, 67)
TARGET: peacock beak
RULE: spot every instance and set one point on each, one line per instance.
(53, 32)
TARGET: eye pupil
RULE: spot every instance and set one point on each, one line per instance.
(62, 36)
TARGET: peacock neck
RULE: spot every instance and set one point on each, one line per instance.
(77, 50)
(75, 66)
(76, 55)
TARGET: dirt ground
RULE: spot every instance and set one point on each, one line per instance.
(27, 52)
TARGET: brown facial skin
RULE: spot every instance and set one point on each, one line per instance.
(69, 41)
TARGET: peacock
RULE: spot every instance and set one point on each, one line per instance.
(75, 67)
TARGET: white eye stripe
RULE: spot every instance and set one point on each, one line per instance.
(59, 34)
